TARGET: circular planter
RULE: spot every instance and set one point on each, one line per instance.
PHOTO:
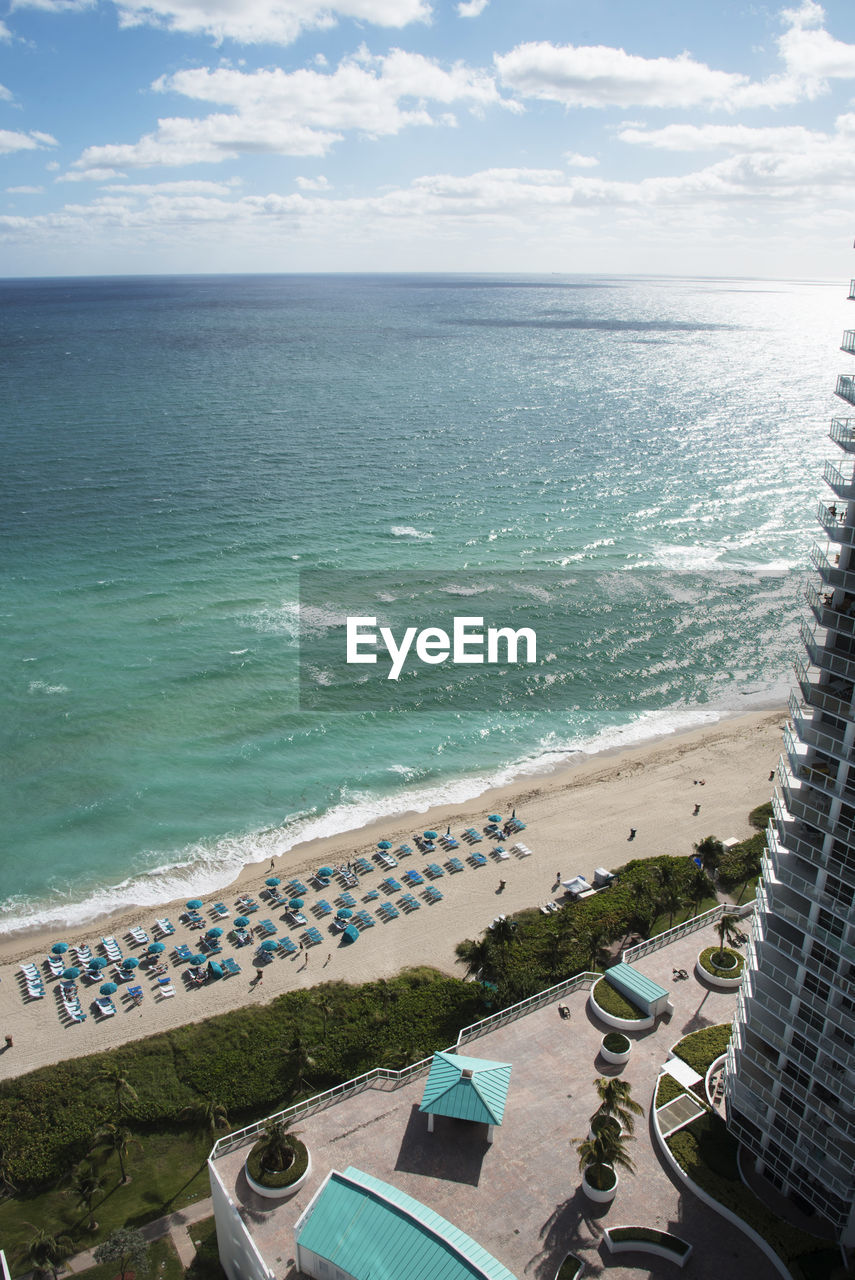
(283, 1192)
(594, 1193)
(619, 1024)
(720, 979)
(617, 1057)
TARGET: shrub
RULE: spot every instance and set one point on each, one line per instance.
(761, 816)
(706, 962)
(667, 1090)
(611, 1001)
(282, 1177)
(701, 1048)
(571, 1268)
(616, 1042)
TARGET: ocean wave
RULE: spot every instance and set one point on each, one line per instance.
(407, 531)
(41, 686)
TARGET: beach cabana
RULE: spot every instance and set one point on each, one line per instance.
(641, 991)
(357, 1227)
(466, 1089)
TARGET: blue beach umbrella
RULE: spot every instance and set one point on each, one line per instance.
(108, 988)
(197, 960)
(130, 962)
(430, 835)
(269, 945)
(325, 871)
(295, 903)
(155, 948)
(384, 844)
(272, 881)
(494, 817)
(344, 913)
(59, 947)
(194, 904)
(71, 973)
(350, 934)
(214, 933)
(241, 922)
(98, 962)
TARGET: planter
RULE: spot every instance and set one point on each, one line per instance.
(286, 1189)
(725, 977)
(641, 1023)
(571, 1268)
(595, 1194)
(615, 1048)
(662, 1244)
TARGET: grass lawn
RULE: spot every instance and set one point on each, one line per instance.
(664, 922)
(167, 1171)
(163, 1264)
(206, 1264)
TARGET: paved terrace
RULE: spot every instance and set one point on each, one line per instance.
(521, 1197)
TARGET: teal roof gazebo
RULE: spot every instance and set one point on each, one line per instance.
(466, 1089)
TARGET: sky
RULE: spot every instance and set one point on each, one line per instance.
(622, 136)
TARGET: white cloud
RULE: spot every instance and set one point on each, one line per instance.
(5, 33)
(313, 184)
(186, 187)
(5, 94)
(577, 161)
(25, 191)
(33, 141)
(729, 137)
(298, 113)
(471, 8)
(808, 51)
(98, 174)
(249, 21)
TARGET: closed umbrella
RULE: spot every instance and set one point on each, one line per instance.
(241, 922)
(214, 933)
(272, 881)
(350, 934)
(269, 945)
(59, 947)
(71, 973)
(108, 988)
(194, 904)
(155, 948)
(130, 962)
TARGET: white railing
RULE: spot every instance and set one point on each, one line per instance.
(681, 930)
(566, 988)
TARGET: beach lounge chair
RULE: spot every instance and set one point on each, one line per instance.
(387, 912)
(385, 859)
(296, 919)
(500, 854)
(346, 899)
(515, 825)
(82, 954)
(363, 920)
(246, 905)
(349, 880)
(192, 919)
(363, 866)
(311, 937)
(521, 850)
(413, 877)
(322, 907)
(105, 1007)
(434, 870)
(165, 989)
(473, 836)
(297, 888)
(408, 903)
(165, 927)
(454, 864)
(220, 911)
(372, 895)
(240, 937)
(267, 928)
(477, 860)
(136, 994)
(121, 975)
(287, 947)
(183, 952)
(35, 989)
(432, 894)
(30, 971)
(390, 884)
(209, 946)
(139, 936)
(230, 967)
(56, 965)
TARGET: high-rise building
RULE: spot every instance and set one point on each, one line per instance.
(790, 1084)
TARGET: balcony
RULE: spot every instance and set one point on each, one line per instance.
(785, 832)
(834, 697)
(852, 288)
(842, 432)
(833, 521)
(836, 617)
(843, 486)
(845, 388)
(831, 574)
(824, 738)
(827, 657)
(848, 342)
(802, 800)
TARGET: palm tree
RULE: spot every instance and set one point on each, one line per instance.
(208, 1114)
(503, 931)
(709, 850)
(617, 1102)
(48, 1252)
(276, 1148)
(699, 887)
(302, 1059)
(478, 957)
(594, 940)
(672, 894)
(752, 865)
(84, 1185)
(601, 1155)
(728, 935)
(123, 1090)
(116, 1137)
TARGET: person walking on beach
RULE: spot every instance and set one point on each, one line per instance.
(697, 810)
(631, 833)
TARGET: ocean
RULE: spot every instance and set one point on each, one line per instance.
(634, 462)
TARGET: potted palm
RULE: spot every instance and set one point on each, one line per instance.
(279, 1163)
(722, 966)
(599, 1159)
(616, 1104)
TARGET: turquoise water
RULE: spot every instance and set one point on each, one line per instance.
(177, 450)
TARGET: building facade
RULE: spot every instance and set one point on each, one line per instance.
(790, 1083)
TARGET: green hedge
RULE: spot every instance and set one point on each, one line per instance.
(667, 1090)
(571, 1268)
(611, 1001)
(706, 962)
(701, 1048)
(616, 1042)
(285, 1177)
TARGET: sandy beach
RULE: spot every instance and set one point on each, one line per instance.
(576, 819)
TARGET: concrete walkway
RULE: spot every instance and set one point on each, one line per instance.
(177, 1225)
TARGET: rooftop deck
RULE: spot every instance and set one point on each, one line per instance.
(521, 1197)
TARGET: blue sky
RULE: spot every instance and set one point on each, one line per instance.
(143, 136)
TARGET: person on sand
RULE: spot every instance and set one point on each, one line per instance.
(631, 835)
(501, 886)
(697, 810)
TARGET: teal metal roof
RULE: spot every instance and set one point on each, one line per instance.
(368, 1228)
(634, 985)
(480, 1094)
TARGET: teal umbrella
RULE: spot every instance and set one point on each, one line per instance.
(214, 933)
(269, 945)
(98, 962)
(350, 934)
(130, 962)
(272, 881)
(494, 817)
(295, 903)
(384, 844)
(59, 947)
(108, 988)
(430, 835)
(197, 960)
(71, 973)
(343, 913)
(241, 922)
(194, 904)
(326, 872)
(155, 948)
